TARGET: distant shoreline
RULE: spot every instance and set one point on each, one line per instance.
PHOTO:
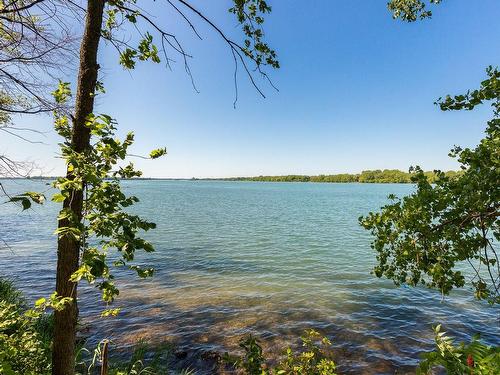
(386, 176)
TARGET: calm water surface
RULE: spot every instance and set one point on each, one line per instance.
(270, 259)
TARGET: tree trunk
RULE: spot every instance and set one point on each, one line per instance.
(68, 249)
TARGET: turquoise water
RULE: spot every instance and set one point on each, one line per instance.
(270, 259)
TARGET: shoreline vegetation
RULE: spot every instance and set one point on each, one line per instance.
(377, 176)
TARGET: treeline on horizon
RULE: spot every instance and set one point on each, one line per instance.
(385, 176)
(370, 176)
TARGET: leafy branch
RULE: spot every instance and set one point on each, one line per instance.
(106, 223)
(426, 237)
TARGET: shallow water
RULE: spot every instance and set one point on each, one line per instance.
(270, 259)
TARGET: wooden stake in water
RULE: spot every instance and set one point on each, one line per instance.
(104, 358)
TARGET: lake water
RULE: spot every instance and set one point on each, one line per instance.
(270, 259)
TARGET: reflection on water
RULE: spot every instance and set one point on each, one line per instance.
(270, 259)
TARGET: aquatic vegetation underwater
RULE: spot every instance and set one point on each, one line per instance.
(26, 335)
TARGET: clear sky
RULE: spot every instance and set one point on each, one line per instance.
(356, 91)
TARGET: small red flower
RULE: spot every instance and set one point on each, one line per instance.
(470, 361)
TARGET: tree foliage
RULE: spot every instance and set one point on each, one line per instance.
(448, 232)
(411, 10)
(370, 176)
(35, 46)
(22, 350)
(473, 358)
(25, 334)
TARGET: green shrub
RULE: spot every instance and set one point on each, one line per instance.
(23, 350)
(315, 359)
(9, 294)
(25, 335)
(253, 361)
(475, 358)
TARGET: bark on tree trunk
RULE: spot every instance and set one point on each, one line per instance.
(68, 250)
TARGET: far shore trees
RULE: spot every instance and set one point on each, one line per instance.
(371, 176)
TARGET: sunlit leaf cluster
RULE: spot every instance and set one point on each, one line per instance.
(411, 10)
(250, 14)
(145, 50)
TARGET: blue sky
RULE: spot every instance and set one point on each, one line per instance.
(356, 92)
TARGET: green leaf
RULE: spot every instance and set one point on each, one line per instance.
(159, 152)
(40, 302)
(58, 197)
(110, 312)
(25, 199)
